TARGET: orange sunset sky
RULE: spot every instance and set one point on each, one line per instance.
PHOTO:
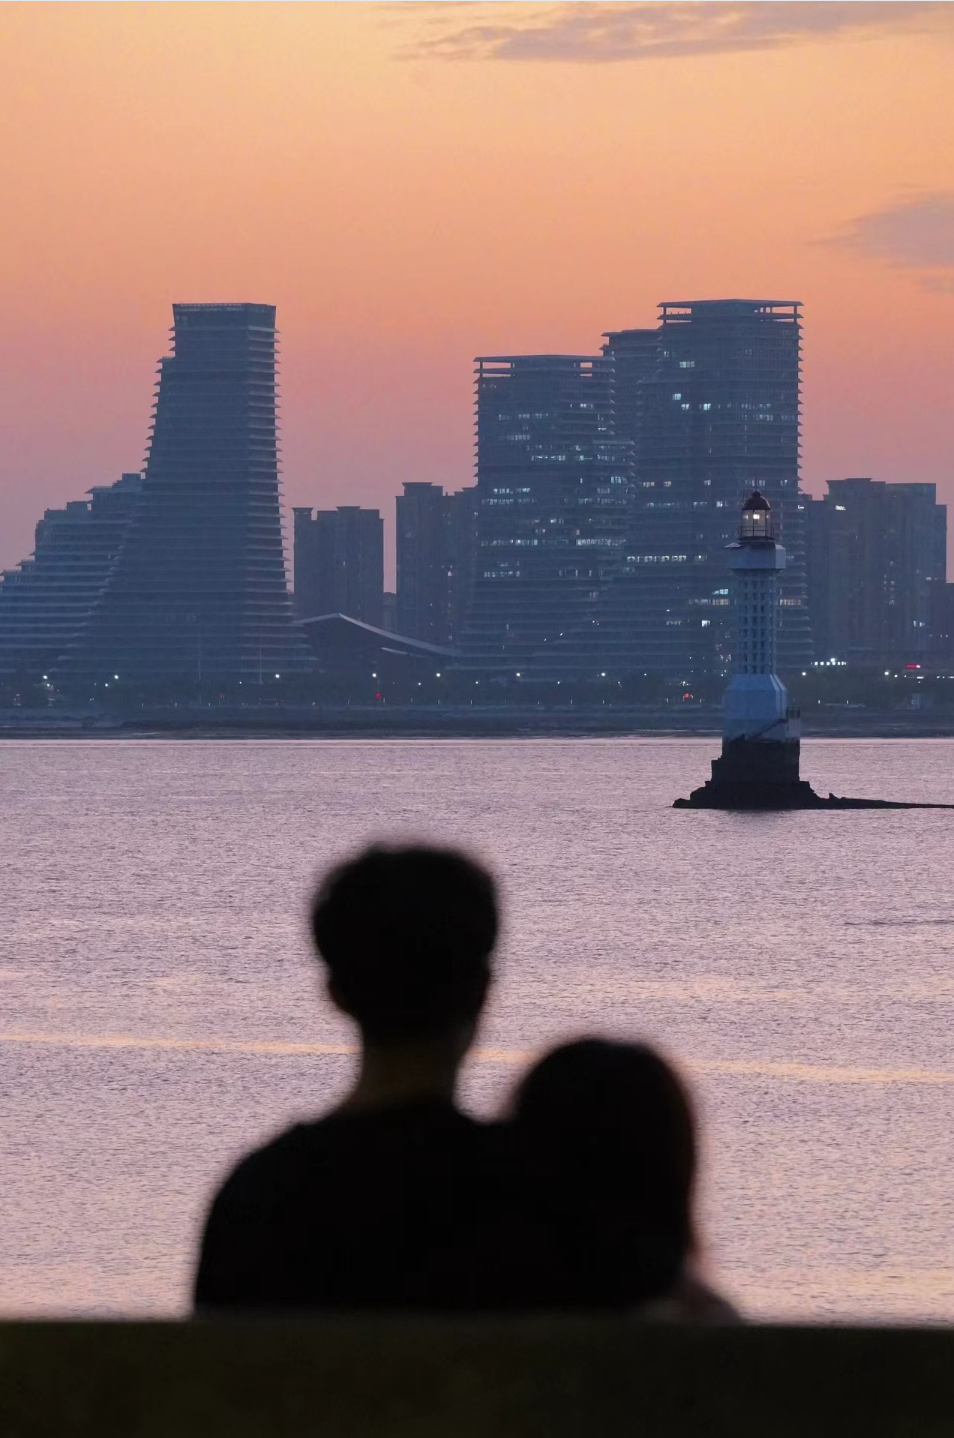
(414, 184)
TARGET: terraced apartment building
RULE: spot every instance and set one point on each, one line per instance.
(45, 600)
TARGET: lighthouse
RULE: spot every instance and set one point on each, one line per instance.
(758, 766)
(755, 705)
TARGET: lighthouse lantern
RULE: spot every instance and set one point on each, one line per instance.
(756, 519)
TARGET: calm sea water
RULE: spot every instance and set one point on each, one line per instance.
(161, 1011)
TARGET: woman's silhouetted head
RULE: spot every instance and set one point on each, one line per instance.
(614, 1125)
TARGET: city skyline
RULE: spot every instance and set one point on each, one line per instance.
(351, 165)
(595, 539)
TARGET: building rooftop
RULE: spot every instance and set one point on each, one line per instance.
(230, 313)
(728, 305)
(535, 359)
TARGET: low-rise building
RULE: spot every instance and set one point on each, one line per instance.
(436, 543)
(877, 560)
(46, 599)
(339, 563)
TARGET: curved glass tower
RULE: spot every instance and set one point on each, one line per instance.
(199, 589)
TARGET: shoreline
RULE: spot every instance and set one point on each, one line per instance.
(496, 724)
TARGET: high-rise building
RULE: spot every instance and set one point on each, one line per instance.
(339, 563)
(46, 599)
(553, 487)
(877, 565)
(422, 579)
(436, 538)
(713, 410)
(199, 588)
(635, 355)
(709, 403)
(460, 530)
(941, 652)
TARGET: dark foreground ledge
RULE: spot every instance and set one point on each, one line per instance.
(414, 1378)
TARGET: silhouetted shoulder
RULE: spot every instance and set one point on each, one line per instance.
(692, 1301)
(375, 1209)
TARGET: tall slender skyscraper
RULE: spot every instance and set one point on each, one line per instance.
(199, 588)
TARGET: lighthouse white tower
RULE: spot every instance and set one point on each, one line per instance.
(755, 705)
(758, 766)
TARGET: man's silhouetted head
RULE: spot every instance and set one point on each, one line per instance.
(407, 934)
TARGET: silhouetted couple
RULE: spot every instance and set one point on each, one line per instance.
(580, 1198)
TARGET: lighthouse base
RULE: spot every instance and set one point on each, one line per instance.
(755, 774)
(763, 774)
